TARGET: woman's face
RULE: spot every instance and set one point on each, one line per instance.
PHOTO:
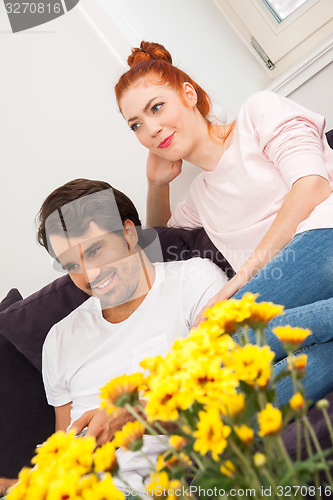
(164, 122)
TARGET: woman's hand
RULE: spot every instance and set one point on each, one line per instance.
(161, 171)
(227, 291)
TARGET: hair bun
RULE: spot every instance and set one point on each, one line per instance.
(148, 51)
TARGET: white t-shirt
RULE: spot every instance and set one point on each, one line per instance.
(83, 352)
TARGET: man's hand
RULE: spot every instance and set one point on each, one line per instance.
(5, 484)
(102, 425)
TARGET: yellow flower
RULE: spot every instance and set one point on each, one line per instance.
(232, 404)
(245, 433)
(259, 460)
(160, 485)
(166, 398)
(65, 486)
(180, 460)
(252, 364)
(120, 391)
(102, 490)
(54, 447)
(297, 402)
(298, 363)
(211, 434)
(232, 313)
(105, 458)
(263, 312)
(178, 442)
(130, 436)
(291, 337)
(80, 456)
(270, 420)
(228, 469)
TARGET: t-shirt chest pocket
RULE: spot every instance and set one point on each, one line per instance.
(157, 345)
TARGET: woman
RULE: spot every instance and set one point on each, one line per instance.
(265, 194)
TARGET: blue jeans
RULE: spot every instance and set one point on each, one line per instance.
(301, 278)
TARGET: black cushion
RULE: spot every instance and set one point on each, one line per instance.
(25, 417)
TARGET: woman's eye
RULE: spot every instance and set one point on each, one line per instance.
(157, 107)
(135, 127)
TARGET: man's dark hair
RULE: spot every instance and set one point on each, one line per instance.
(79, 215)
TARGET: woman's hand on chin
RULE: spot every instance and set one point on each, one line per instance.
(161, 171)
(227, 291)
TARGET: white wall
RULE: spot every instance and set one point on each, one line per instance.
(58, 116)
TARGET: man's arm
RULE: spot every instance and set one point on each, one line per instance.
(5, 484)
(62, 416)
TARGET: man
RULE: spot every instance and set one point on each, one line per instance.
(136, 309)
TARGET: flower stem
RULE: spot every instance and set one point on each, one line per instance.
(247, 464)
(317, 446)
(328, 423)
(158, 436)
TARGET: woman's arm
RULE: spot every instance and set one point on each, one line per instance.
(305, 194)
(160, 173)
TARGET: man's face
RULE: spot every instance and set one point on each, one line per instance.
(101, 264)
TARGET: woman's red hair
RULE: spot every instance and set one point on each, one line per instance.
(152, 60)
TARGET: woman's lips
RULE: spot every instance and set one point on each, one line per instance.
(166, 143)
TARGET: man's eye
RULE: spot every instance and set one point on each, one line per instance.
(135, 127)
(70, 268)
(94, 252)
(157, 107)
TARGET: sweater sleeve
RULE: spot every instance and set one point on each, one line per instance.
(289, 135)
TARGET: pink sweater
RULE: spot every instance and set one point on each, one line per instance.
(276, 142)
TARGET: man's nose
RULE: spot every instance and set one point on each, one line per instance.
(92, 273)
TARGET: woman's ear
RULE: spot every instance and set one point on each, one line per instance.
(190, 94)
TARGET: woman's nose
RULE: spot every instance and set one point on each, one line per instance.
(154, 128)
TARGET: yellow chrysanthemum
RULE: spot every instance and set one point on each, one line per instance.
(178, 442)
(232, 313)
(228, 469)
(270, 420)
(130, 436)
(105, 458)
(259, 460)
(103, 490)
(291, 337)
(211, 434)
(252, 364)
(181, 460)
(297, 402)
(80, 456)
(120, 391)
(65, 486)
(160, 485)
(245, 433)
(232, 404)
(166, 399)
(297, 363)
(54, 447)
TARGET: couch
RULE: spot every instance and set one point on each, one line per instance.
(25, 417)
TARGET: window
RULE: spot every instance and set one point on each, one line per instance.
(281, 31)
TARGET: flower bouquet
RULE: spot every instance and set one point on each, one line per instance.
(226, 438)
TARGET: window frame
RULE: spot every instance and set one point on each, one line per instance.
(280, 45)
